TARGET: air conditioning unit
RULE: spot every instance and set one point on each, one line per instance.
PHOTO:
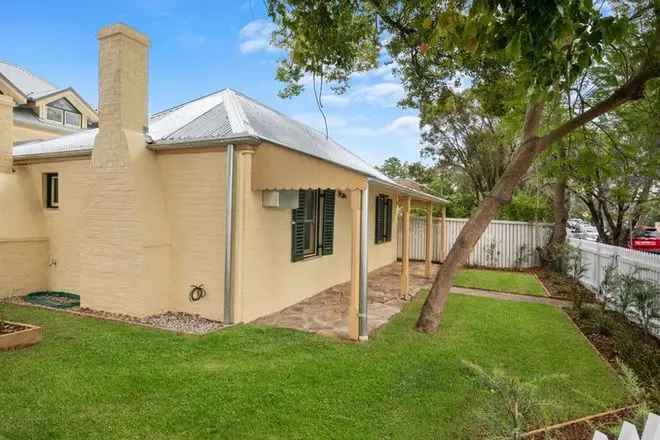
(283, 199)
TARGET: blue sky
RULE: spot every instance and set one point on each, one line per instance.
(199, 47)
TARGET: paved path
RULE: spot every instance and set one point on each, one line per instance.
(511, 296)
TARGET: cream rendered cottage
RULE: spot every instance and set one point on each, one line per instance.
(221, 191)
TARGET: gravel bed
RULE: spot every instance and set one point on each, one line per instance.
(183, 322)
(172, 321)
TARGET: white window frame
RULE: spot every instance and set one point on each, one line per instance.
(78, 125)
(55, 109)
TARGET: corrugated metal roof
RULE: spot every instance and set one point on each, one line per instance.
(81, 141)
(27, 82)
(227, 115)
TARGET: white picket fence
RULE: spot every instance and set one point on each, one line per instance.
(505, 244)
(597, 256)
(629, 431)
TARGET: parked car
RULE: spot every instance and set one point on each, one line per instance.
(588, 232)
(647, 240)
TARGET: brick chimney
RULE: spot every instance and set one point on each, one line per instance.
(6, 133)
(123, 89)
(125, 252)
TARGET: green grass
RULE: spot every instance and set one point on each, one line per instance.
(92, 379)
(499, 281)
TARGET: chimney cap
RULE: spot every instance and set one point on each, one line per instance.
(125, 30)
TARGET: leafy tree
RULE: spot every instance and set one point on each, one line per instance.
(537, 48)
(616, 168)
(472, 141)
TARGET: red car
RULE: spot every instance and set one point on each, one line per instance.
(647, 240)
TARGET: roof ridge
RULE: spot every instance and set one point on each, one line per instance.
(178, 106)
(29, 72)
(193, 120)
(237, 119)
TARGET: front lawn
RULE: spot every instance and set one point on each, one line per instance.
(500, 281)
(92, 379)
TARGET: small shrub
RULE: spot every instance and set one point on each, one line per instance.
(630, 283)
(611, 284)
(515, 404)
(646, 299)
(492, 254)
(522, 257)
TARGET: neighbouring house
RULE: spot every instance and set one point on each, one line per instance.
(41, 110)
(220, 191)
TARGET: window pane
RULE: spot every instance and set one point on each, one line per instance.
(73, 119)
(54, 114)
(63, 104)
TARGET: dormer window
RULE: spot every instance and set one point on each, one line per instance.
(63, 112)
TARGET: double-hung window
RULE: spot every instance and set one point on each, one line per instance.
(313, 224)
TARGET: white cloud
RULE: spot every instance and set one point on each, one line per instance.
(386, 93)
(315, 120)
(403, 125)
(256, 37)
(336, 100)
(384, 72)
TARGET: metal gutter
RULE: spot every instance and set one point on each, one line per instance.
(229, 215)
(57, 155)
(363, 327)
(179, 144)
(405, 190)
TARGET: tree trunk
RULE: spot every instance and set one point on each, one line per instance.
(477, 224)
(531, 146)
(560, 216)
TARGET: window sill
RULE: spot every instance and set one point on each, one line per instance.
(310, 258)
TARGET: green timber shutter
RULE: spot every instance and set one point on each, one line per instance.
(380, 219)
(388, 219)
(328, 227)
(298, 229)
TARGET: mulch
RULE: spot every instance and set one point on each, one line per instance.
(9, 327)
(583, 429)
(561, 286)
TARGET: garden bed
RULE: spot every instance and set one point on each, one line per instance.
(583, 428)
(561, 286)
(178, 322)
(15, 335)
(616, 338)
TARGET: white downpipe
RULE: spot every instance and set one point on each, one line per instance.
(229, 216)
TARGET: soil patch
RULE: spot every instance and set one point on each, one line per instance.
(584, 428)
(616, 338)
(9, 327)
(561, 286)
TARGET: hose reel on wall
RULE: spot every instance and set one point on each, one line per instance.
(197, 292)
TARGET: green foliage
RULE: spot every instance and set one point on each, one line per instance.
(528, 207)
(516, 405)
(534, 48)
(646, 298)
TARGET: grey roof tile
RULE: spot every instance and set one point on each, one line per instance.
(27, 82)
